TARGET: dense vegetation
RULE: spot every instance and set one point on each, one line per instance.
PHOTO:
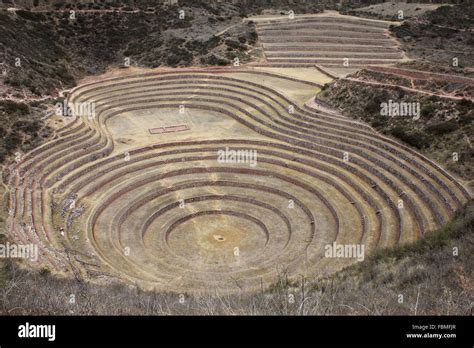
(459, 17)
(440, 36)
(44, 52)
(20, 127)
(444, 125)
(47, 51)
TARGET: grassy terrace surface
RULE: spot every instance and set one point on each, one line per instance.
(104, 201)
(432, 280)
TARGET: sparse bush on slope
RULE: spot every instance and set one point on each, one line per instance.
(445, 126)
(20, 128)
(439, 36)
(54, 49)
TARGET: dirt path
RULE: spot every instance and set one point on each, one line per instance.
(327, 13)
(405, 88)
(315, 104)
(14, 9)
(421, 75)
(28, 99)
(226, 29)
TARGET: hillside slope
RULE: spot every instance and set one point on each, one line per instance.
(440, 36)
(444, 129)
(46, 51)
(445, 126)
(434, 276)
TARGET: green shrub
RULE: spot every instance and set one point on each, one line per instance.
(414, 138)
(427, 110)
(31, 16)
(253, 37)
(214, 60)
(373, 106)
(11, 107)
(443, 127)
(466, 104)
(233, 44)
(179, 56)
(213, 42)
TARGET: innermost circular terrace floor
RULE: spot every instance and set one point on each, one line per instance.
(217, 240)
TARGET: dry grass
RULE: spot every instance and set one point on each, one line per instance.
(431, 280)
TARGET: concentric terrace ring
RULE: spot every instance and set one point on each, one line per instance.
(167, 214)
